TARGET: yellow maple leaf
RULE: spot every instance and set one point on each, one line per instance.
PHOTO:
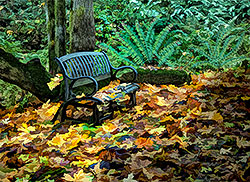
(78, 177)
(196, 111)
(94, 149)
(162, 101)
(56, 141)
(245, 98)
(168, 118)
(54, 82)
(73, 143)
(217, 117)
(84, 163)
(209, 74)
(179, 140)
(52, 110)
(139, 110)
(26, 129)
(109, 127)
(113, 95)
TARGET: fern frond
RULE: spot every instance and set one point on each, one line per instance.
(134, 50)
(236, 59)
(229, 40)
(166, 53)
(141, 41)
(105, 46)
(203, 53)
(208, 48)
(150, 30)
(161, 37)
(236, 47)
(220, 36)
(137, 41)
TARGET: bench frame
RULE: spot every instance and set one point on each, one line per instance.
(94, 67)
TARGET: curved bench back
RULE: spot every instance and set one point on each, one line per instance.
(80, 64)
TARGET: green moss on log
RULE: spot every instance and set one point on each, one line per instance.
(160, 77)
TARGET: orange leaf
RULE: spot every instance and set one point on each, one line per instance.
(143, 142)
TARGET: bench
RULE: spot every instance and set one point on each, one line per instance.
(89, 68)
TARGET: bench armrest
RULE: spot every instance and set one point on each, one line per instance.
(87, 77)
(126, 67)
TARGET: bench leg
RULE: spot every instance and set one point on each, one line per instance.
(63, 116)
(96, 117)
(132, 101)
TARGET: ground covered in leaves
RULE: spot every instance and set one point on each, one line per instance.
(196, 132)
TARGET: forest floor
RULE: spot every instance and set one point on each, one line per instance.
(196, 132)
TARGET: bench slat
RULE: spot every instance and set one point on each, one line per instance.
(79, 70)
(74, 70)
(67, 69)
(88, 62)
(106, 64)
(82, 66)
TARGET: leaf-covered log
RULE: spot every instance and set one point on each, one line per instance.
(31, 76)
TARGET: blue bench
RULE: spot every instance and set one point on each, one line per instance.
(88, 68)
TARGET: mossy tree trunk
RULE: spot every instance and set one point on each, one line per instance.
(82, 26)
(50, 15)
(31, 76)
(56, 24)
(60, 28)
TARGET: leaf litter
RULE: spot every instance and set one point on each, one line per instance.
(196, 132)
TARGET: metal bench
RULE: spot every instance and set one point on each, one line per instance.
(83, 68)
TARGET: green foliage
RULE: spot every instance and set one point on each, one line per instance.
(110, 14)
(9, 44)
(210, 14)
(9, 94)
(27, 22)
(221, 53)
(143, 45)
(24, 29)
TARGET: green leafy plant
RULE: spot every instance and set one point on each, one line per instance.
(142, 45)
(221, 53)
(210, 14)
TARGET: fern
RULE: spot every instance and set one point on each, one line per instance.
(218, 53)
(142, 46)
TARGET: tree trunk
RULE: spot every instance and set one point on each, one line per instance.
(60, 28)
(50, 16)
(31, 76)
(82, 28)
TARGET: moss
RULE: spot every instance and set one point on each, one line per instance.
(176, 77)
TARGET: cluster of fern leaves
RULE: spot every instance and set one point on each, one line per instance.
(221, 52)
(142, 45)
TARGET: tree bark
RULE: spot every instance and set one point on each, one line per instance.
(50, 16)
(60, 28)
(31, 76)
(82, 28)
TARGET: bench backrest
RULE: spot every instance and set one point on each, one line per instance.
(76, 65)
